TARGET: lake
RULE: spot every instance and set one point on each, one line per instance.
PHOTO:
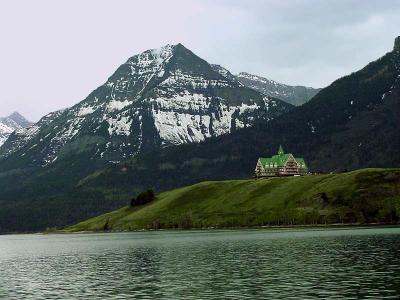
(232, 264)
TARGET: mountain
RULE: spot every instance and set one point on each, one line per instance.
(9, 124)
(157, 99)
(351, 124)
(161, 97)
(296, 95)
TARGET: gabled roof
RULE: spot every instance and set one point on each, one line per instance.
(280, 159)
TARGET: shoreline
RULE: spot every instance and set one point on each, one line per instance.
(237, 228)
(306, 227)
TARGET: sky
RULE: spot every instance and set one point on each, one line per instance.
(54, 53)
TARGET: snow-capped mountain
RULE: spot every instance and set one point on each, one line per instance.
(161, 97)
(11, 123)
(296, 95)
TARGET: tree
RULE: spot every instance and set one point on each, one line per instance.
(143, 198)
(106, 225)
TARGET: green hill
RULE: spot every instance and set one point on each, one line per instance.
(362, 196)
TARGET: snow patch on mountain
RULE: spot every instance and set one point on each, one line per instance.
(153, 57)
(117, 105)
(5, 131)
(120, 125)
(83, 111)
(178, 128)
(179, 77)
(185, 100)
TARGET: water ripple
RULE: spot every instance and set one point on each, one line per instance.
(252, 264)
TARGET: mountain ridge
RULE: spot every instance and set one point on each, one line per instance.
(296, 95)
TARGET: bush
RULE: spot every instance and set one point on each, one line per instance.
(132, 202)
(143, 198)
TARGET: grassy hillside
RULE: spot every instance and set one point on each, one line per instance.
(362, 196)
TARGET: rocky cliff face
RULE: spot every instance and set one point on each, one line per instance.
(161, 97)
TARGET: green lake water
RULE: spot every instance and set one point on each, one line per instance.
(238, 264)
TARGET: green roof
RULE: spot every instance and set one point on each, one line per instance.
(280, 159)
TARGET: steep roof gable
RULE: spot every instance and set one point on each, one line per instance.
(301, 162)
(280, 150)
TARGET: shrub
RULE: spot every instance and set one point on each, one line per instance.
(132, 201)
(143, 198)
(106, 225)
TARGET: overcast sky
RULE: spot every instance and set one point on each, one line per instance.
(54, 53)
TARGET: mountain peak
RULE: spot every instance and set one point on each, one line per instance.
(179, 45)
(15, 114)
(153, 59)
(396, 44)
(154, 55)
(10, 123)
(19, 119)
(161, 51)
